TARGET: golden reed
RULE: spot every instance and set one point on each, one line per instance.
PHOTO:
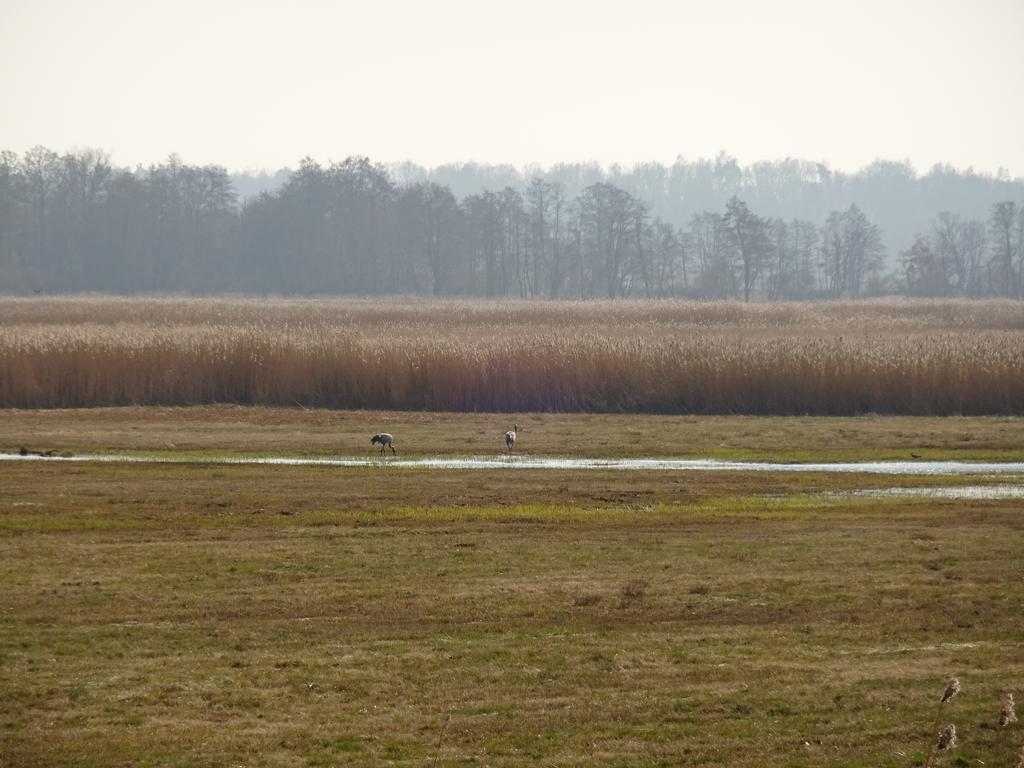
(893, 357)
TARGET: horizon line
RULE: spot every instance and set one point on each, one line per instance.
(1002, 173)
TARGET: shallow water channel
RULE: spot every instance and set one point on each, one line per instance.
(1011, 471)
(945, 468)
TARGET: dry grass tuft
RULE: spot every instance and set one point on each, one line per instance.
(1008, 714)
(633, 591)
(952, 689)
(947, 739)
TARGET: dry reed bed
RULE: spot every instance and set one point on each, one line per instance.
(406, 312)
(491, 363)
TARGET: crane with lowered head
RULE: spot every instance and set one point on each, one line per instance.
(385, 439)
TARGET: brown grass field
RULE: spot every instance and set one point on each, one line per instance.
(295, 431)
(179, 614)
(191, 614)
(843, 358)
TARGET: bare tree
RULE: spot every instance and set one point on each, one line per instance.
(483, 220)
(923, 271)
(1006, 248)
(41, 170)
(959, 251)
(539, 199)
(716, 277)
(748, 235)
(852, 251)
(609, 216)
(556, 276)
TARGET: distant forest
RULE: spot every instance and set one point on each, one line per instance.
(702, 229)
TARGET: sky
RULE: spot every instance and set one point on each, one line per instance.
(259, 85)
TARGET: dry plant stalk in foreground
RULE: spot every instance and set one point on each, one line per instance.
(910, 357)
(1008, 714)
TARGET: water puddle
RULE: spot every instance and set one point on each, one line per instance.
(912, 649)
(944, 468)
(948, 492)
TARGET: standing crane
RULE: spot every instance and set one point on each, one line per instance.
(386, 441)
(510, 437)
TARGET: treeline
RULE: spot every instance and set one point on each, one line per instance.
(76, 223)
(892, 194)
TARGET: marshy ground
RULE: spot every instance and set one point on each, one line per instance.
(184, 614)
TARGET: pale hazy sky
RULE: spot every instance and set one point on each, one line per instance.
(251, 84)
